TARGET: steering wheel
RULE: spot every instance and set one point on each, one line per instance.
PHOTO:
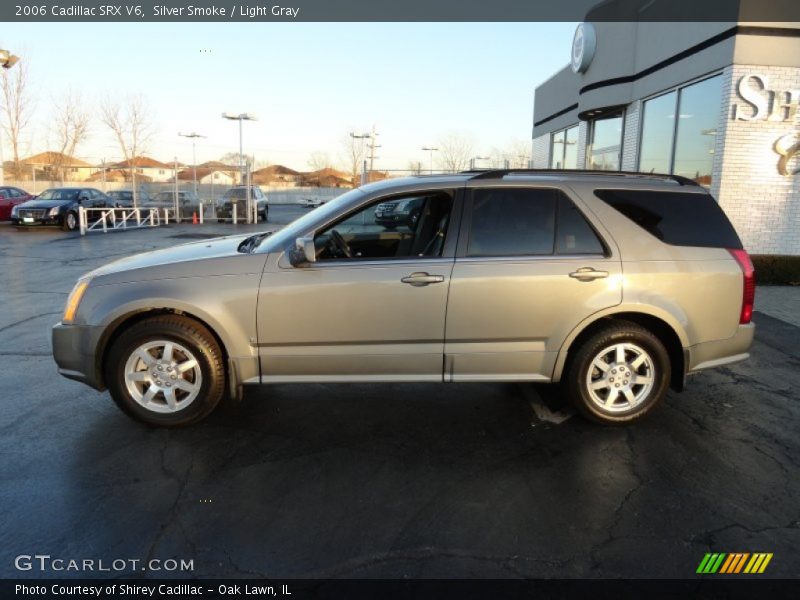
(341, 244)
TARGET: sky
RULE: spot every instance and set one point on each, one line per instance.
(309, 84)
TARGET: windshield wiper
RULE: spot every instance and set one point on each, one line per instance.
(247, 245)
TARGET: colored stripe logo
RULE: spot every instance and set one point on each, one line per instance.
(734, 563)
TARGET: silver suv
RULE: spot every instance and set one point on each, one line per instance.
(616, 285)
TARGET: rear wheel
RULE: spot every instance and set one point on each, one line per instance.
(166, 371)
(618, 375)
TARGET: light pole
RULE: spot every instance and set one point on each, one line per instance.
(7, 60)
(363, 136)
(193, 136)
(431, 150)
(241, 117)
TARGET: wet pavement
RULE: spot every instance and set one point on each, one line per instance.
(414, 480)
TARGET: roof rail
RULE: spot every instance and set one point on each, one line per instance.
(499, 173)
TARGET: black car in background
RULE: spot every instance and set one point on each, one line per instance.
(188, 202)
(59, 207)
(124, 198)
(238, 196)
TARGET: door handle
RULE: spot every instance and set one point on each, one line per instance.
(420, 279)
(588, 274)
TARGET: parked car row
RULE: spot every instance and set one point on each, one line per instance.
(60, 206)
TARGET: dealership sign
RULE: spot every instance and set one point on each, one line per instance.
(777, 106)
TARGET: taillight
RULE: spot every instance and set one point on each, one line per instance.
(749, 288)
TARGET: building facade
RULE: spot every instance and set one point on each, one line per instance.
(718, 103)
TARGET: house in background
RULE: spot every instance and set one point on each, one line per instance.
(51, 166)
(154, 170)
(208, 176)
(327, 177)
(276, 176)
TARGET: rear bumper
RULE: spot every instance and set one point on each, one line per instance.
(722, 352)
(74, 352)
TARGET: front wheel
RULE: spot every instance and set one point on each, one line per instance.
(618, 375)
(166, 371)
(70, 221)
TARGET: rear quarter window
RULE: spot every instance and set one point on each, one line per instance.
(675, 218)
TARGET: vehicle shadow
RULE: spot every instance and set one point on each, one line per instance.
(353, 480)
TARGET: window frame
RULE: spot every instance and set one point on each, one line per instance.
(450, 243)
(462, 251)
(678, 89)
(590, 131)
(564, 130)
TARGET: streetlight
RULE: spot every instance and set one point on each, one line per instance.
(431, 150)
(7, 60)
(193, 136)
(241, 117)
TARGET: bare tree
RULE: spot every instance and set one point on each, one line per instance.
(233, 159)
(70, 128)
(415, 166)
(455, 150)
(17, 107)
(131, 122)
(354, 153)
(319, 160)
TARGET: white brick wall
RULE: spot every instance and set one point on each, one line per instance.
(630, 136)
(541, 152)
(583, 134)
(763, 205)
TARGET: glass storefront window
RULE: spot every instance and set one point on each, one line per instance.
(697, 130)
(685, 148)
(564, 152)
(658, 127)
(603, 151)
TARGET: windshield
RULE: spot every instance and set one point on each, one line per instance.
(280, 239)
(58, 195)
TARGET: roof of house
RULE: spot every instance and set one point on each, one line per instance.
(189, 174)
(117, 175)
(327, 172)
(142, 162)
(276, 170)
(54, 158)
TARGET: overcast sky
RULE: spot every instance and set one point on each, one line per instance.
(308, 84)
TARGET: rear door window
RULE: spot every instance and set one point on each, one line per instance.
(675, 218)
(529, 222)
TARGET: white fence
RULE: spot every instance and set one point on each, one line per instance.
(110, 219)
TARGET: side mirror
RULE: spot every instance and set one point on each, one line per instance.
(304, 252)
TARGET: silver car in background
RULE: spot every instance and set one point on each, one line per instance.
(615, 285)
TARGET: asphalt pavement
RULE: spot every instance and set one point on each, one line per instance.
(401, 480)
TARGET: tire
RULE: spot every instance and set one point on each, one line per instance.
(630, 385)
(198, 388)
(70, 221)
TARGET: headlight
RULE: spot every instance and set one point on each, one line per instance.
(74, 300)
(53, 211)
(15, 209)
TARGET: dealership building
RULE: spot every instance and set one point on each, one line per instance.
(718, 103)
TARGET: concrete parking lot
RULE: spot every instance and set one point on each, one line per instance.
(416, 480)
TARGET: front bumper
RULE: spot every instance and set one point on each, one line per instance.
(57, 220)
(74, 352)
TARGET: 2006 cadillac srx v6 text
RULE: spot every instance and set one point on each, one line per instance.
(616, 285)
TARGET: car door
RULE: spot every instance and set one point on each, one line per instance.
(530, 267)
(376, 316)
